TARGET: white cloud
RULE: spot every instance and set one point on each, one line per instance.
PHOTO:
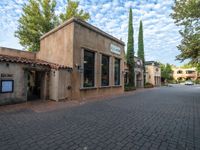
(160, 34)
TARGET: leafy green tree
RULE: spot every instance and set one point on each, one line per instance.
(72, 11)
(38, 17)
(166, 72)
(186, 66)
(130, 51)
(141, 47)
(186, 14)
(191, 65)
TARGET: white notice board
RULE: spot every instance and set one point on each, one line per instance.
(7, 86)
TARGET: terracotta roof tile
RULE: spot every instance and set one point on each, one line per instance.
(12, 59)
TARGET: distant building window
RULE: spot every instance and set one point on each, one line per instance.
(105, 70)
(179, 72)
(157, 69)
(190, 72)
(7, 86)
(117, 71)
(89, 68)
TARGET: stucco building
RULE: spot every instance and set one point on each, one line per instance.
(181, 74)
(139, 73)
(76, 61)
(153, 73)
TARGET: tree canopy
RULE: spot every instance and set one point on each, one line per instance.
(73, 11)
(191, 65)
(39, 17)
(166, 72)
(186, 13)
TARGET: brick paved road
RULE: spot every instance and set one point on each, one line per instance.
(165, 118)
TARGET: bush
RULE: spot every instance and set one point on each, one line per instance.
(172, 81)
(129, 88)
(197, 81)
(148, 85)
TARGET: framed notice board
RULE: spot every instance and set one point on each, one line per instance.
(7, 86)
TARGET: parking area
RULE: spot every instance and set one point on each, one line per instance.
(160, 118)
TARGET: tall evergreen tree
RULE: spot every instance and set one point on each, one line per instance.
(130, 51)
(73, 11)
(38, 17)
(141, 47)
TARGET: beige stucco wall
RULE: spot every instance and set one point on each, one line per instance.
(85, 38)
(139, 72)
(184, 75)
(57, 47)
(17, 72)
(17, 53)
(53, 84)
(64, 45)
(64, 90)
(151, 73)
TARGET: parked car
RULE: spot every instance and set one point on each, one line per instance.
(189, 83)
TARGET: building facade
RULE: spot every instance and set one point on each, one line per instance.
(153, 73)
(139, 73)
(180, 74)
(76, 61)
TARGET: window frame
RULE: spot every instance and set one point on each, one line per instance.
(94, 67)
(108, 69)
(119, 72)
(179, 72)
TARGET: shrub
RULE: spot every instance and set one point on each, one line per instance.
(129, 88)
(197, 81)
(148, 85)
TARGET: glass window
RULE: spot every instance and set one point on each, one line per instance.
(179, 72)
(190, 72)
(117, 71)
(89, 69)
(105, 70)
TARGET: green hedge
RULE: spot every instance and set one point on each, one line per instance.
(129, 88)
(148, 85)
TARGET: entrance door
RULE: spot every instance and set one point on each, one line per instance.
(34, 85)
(139, 80)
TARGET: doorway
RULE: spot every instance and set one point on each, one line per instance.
(139, 80)
(34, 85)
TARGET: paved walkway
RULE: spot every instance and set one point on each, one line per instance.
(164, 118)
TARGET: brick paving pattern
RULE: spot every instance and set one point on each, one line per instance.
(166, 118)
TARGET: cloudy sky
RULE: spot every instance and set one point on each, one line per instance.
(160, 34)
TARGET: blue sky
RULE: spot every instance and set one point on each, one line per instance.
(160, 34)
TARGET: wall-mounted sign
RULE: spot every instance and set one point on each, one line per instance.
(4, 75)
(115, 49)
(7, 86)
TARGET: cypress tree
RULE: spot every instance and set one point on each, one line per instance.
(130, 51)
(141, 47)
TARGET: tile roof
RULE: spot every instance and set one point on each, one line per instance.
(15, 59)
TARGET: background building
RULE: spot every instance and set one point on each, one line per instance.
(153, 73)
(139, 73)
(180, 74)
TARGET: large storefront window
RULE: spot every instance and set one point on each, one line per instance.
(117, 71)
(89, 59)
(105, 70)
